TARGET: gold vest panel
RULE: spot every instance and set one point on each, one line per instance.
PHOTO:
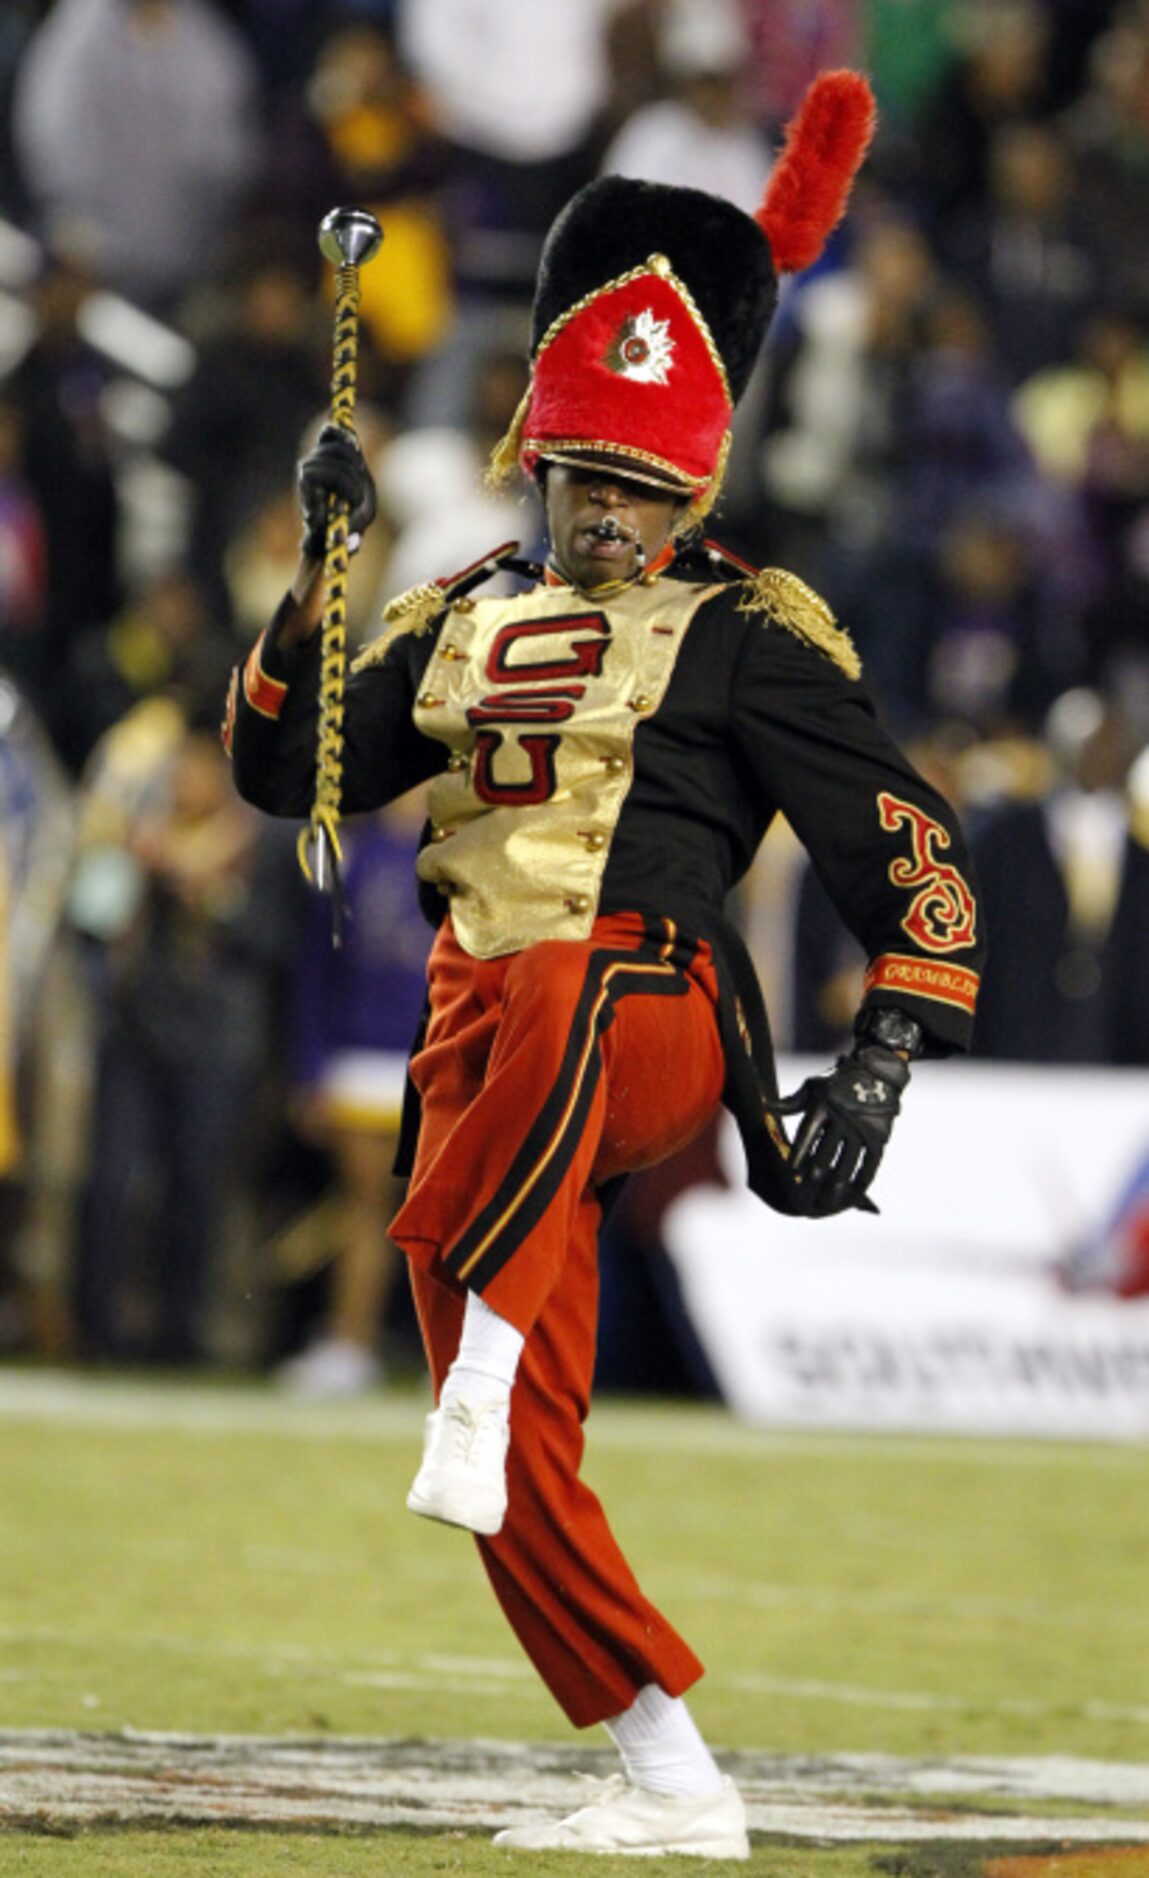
(537, 699)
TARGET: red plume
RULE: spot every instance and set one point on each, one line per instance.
(810, 185)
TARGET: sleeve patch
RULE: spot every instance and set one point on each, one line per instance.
(942, 914)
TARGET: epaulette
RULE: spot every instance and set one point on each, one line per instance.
(781, 597)
(417, 610)
(787, 601)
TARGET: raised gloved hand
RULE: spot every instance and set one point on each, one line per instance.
(847, 1117)
(334, 467)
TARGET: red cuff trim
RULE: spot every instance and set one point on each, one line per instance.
(945, 984)
(264, 694)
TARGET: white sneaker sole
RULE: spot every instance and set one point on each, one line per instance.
(458, 1509)
(716, 1848)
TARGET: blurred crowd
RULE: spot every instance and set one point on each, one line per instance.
(948, 437)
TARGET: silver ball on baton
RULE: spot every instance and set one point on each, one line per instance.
(350, 237)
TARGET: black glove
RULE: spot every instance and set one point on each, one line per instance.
(334, 467)
(847, 1117)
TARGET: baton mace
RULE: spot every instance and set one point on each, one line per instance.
(348, 238)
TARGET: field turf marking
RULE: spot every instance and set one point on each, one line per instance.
(496, 1676)
(61, 1777)
(230, 1408)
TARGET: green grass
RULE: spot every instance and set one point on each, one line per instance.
(239, 1855)
(251, 1570)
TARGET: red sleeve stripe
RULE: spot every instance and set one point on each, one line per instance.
(264, 694)
(923, 978)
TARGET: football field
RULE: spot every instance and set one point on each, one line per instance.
(228, 1648)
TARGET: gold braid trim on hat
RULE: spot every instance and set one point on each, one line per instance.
(706, 498)
(787, 601)
(412, 612)
(505, 456)
(559, 449)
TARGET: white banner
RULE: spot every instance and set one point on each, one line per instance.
(1004, 1287)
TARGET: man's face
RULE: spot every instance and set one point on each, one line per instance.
(599, 519)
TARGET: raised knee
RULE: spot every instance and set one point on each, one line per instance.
(551, 969)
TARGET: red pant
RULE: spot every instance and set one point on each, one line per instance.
(545, 1073)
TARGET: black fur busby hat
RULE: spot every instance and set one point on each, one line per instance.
(615, 224)
(652, 302)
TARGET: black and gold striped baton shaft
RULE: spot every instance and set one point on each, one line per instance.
(348, 238)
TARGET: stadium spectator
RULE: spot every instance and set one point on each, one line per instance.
(137, 133)
(985, 663)
(1029, 251)
(998, 78)
(355, 1013)
(1107, 134)
(164, 639)
(182, 902)
(1087, 423)
(1065, 883)
(363, 132)
(36, 839)
(519, 93)
(433, 492)
(257, 384)
(841, 375)
(792, 41)
(703, 134)
(69, 461)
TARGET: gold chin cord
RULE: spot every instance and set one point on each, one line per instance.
(349, 238)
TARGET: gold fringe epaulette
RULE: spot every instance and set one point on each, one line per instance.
(412, 612)
(417, 610)
(787, 601)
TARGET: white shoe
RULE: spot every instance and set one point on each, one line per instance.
(463, 1479)
(333, 1369)
(633, 1821)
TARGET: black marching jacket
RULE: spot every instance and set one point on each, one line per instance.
(626, 750)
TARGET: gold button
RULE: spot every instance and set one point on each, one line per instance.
(658, 264)
(451, 652)
(577, 903)
(594, 839)
(456, 760)
(614, 764)
(647, 580)
(642, 701)
(465, 605)
(427, 700)
(439, 833)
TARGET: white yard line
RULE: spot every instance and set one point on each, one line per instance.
(433, 1673)
(234, 1780)
(832, 1600)
(851, 1696)
(108, 1403)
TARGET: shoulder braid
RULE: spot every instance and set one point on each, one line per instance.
(417, 610)
(787, 601)
(412, 612)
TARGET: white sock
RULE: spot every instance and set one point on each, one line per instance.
(661, 1748)
(487, 1361)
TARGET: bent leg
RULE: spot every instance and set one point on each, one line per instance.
(603, 1058)
(556, 1567)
